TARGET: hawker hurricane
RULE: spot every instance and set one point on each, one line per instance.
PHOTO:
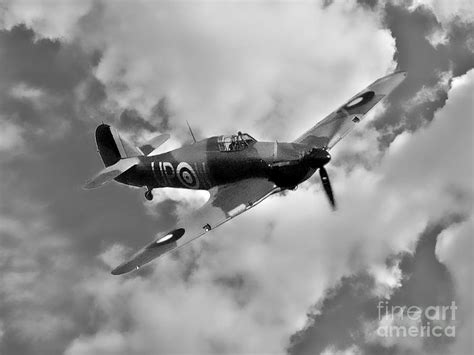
(238, 171)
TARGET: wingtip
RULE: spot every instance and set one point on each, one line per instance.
(119, 270)
(116, 272)
(123, 269)
(87, 186)
(404, 72)
(395, 74)
(91, 184)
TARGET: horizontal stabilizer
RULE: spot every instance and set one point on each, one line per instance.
(111, 172)
(151, 147)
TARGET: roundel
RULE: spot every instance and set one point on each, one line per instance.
(168, 238)
(187, 176)
(360, 100)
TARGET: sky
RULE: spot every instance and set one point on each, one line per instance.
(288, 277)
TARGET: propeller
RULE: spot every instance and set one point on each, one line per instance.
(327, 186)
(317, 158)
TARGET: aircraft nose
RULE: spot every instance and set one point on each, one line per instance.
(325, 157)
(319, 157)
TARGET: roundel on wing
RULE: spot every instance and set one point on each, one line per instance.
(187, 176)
(170, 237)
(359, 100)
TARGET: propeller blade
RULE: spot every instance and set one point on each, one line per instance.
(327, 186)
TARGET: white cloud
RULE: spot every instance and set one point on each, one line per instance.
(110, 343)
(353, 350)
(447, 11)
(113, 255)
(33, 252)
(455, 248)
(438, 37)
(446, 148)
(270, 69)
(431, 93)
(23, 91)
(48, 18)
(386, 279)
(10, 136)
(2, 331)
(187, 200)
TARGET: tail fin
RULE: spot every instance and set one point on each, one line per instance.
(111, 146)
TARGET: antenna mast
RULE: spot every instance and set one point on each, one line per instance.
(191, 131)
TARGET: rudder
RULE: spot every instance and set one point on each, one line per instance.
(111, 146)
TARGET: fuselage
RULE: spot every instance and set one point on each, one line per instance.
(205, 164)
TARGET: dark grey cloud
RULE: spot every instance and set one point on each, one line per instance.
(130, 119)
(426, 280)
(161, 115)
(60, 166)
(339, 319)
(50, 174)
(424, 63)
(135, 124)
(39, 82)
(42, 63)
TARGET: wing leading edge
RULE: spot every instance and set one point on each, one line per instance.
(331, 129)
(225, 202)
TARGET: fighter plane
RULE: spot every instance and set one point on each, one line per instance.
(238, 171)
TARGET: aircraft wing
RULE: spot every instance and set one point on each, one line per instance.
(225, 202)
(330, 130)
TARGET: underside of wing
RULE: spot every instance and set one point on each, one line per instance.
(225, 202)
(330, 130)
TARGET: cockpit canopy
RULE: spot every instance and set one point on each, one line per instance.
(234, 142)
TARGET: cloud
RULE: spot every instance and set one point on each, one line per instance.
(50, 19)
(263, 65)
(414, 28)
(431, 94)
(41, 98)
(186, 200)
(10, 136)
(424, 280)
(438, 37)
(351, 315)
(353, 350)
(445, 12)
(449, 136)
(31, 310)
(454, 249)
